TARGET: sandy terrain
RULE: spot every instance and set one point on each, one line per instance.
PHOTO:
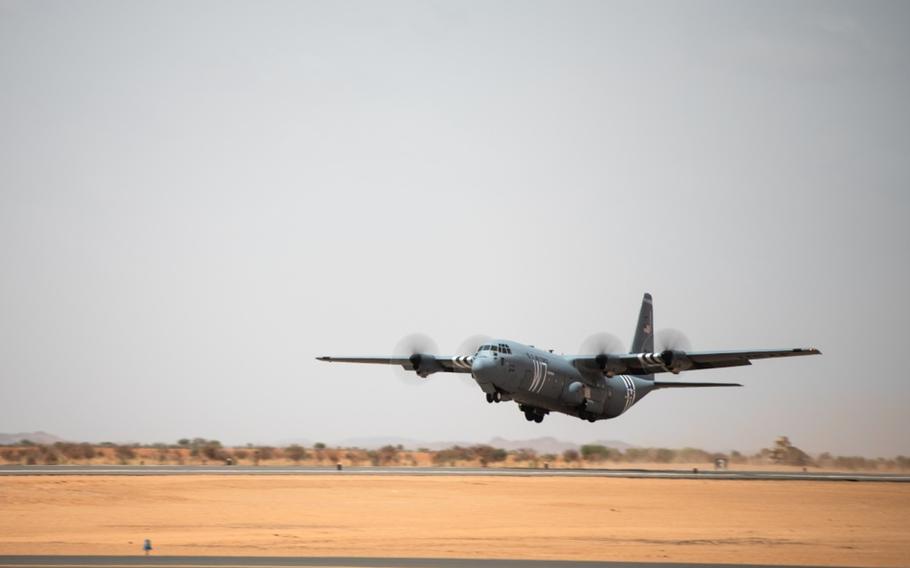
(822, 523)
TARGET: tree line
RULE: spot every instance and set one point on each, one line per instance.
(206, 451)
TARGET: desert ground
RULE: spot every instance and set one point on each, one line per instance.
(762, 522)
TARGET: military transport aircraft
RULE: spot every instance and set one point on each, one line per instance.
(592, 386)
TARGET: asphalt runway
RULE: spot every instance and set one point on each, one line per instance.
(443, 471)
(339, 562)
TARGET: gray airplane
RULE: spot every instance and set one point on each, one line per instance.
(594, 386)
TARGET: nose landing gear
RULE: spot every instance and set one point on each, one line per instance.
(494, 397)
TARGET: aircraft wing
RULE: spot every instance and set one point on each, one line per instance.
(423, 364)
(676, 361)
(715, 359)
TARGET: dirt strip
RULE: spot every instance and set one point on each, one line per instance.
(806, 523)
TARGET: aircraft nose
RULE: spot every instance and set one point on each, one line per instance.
(482, 369)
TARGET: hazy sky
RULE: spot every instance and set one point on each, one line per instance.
(198, 198)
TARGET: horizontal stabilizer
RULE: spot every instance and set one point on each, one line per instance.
(676, 385)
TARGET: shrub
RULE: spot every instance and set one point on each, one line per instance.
(571, 455)
(597, 453)
(525, 454)
(295, 453)
(489, 454)
(124, 453)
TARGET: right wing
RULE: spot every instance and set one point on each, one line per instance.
(422, 364)
(676, 361)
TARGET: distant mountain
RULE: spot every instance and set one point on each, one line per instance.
(615, 444)
(37, 437)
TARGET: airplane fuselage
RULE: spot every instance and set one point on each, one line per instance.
(541, 382)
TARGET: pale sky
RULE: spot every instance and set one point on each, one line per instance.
(196, 199)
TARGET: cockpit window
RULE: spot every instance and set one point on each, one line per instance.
(484, 348)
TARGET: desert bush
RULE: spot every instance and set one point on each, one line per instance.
(452, 455)
(524, 455)
(11, 454)
(787, 454)
(571, 456)
(124, 453)
(488, 454)
(597, 453)
(50, 455)
(663, 455)
(212, 450)
(295, 453)
(388, 455)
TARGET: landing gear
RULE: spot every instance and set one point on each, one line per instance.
(494, 397)
(587, 416)
(533, 417)
(533, 414)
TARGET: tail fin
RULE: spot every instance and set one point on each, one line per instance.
(643, 341)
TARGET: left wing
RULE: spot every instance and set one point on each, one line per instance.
(421, 363)
(676, 361)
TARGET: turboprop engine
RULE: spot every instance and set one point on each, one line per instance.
(610, 365)
(424, 365)
(675, 361)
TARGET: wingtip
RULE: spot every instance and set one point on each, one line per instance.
(323, 358)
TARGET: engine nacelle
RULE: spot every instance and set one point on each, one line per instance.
(675, 361)
(610, 365)
(424, 365)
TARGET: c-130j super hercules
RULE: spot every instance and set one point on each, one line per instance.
(592, 387)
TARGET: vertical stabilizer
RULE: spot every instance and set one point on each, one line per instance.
(643, 341)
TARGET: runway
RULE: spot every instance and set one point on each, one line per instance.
(128, 470)
(336, 562)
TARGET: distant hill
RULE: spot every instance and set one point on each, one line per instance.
(615, 444)
(37, 437)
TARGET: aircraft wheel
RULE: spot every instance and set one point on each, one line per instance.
(497, 397)
(538, 419)
(489, 397)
